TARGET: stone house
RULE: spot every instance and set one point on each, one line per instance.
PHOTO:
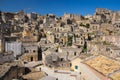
(116, 17)
(30, 53)
(115, 40)
(116, 26)
(75, 64)
(113, 51)
(69, 52)
(103, 15)
(55, 59)
(79, 41)
(11, 71)
(50, 38)
(86, 72)
(95, 48)
(63, 41)
(6, 57)
(94, 26)
(28, 35)
(16, 47)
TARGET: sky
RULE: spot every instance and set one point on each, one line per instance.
(58, 7)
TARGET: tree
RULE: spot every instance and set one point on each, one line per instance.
(70, 38)
(84, 47)
(81, 24)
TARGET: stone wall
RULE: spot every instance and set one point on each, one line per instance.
(13, 73)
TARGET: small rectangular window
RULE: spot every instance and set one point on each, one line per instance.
(34, 51)
(76, 67)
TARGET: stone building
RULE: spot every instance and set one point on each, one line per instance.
(97, 64)
(50, 38)
(29, 35)
(69, 53)
(7, 16)
(1, 20)
(116, 17)
(2, 43)
(115, 40)
(11, 71)
(79, 41)
(113, 51)
(16, 47)
(19, 15)
(6, 57)
(95, 26)
(32, 16)
(116, 26)
(75, 64)
(49, 19)
(71, 16)
(103, 15)
(30, 53)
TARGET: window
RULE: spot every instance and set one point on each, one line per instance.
(111, 52)
(61, 59)
(34, 51)
(70, 64)
(107, 49)
(54, 61)
(81, 42)
(57, 35)
(76, 67)
(74, 53)
(26, 51)
(117, 26)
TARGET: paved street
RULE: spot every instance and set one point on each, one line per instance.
(61, 74)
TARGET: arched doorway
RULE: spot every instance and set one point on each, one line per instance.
(39, 54)
(31, 58)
